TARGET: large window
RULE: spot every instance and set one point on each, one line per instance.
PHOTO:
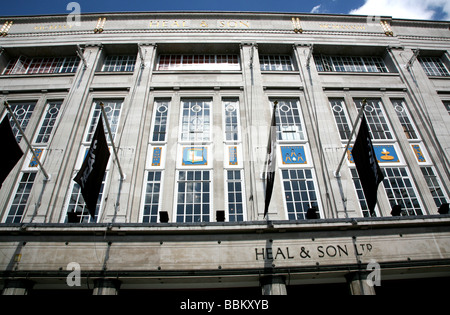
(119, 64)
(22, 111)
(276, 63)
(350, 64)
(376, 119)
(198, 62)
(76, 202)
(231, 119)
(152, 196)
(300, 192)
(434, 185)
(400, 190)
(404, 118)
(235, 195)
(193, 196)
(112, 110)
(49, 121)
(434, 66)
(78, 206)
(196, 120)
(159, 130)
(340, 117)
(21, 196)
(25, 65)
(288, 120)
(360, 194)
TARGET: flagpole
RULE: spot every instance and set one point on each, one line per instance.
(47, 177)
(122, 176)
(360, 113)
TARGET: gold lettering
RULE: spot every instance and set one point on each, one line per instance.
(164, 24)
(221, 23)
(244, 23)
(154, 23)
(175, 23)
(232, 24)
(203, 24)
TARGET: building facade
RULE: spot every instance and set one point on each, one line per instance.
(189, 98)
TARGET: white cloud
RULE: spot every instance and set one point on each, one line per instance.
(406, 9)
(316, 9)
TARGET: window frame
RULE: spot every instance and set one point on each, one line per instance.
(115, 63)
(388, 132)
(154, 117)
(344, 115)
(23, 65)
(14, 196)
(301, 132)
(314, 181)
(225, 116)
(405, 119)
(144, 196)
(412, 187)
(434, 66)
(227, 192)
(210, 194)
(48, 127)
(94, 116)
(198, 62)
(205, 134)
(271, 62)
(350, 64)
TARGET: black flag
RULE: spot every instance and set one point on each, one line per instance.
(271, 161)
(366, 163)
(11, 150)
(90, 175)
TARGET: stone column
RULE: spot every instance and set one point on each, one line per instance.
(358, 284)
(273, 285)
(106, 287)
(17, 287)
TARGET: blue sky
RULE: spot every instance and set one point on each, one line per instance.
(414, 9)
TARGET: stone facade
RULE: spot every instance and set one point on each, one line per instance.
(174, 116)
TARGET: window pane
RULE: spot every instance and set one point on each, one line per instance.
(337, 107)
(193, 196)
(350, 64)
(20, 198)
(198, 62)
(48, 123)
(400, 190)
(22, 111)
(77, 204)
(405, 120)
(152, 196)
(196, 120)
(433, 66)
(119, 63)
(112, 110)
(299, 193)
(376, 120)
(235, 193)
(288, 120)
(276, 63)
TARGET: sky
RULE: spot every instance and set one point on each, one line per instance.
(406, 9)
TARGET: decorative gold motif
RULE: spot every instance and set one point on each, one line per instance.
(387, 28)
(100, 25)
(5, 28)
(297, 26)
